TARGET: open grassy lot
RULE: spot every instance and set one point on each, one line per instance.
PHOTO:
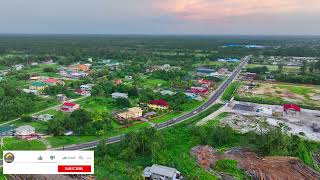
(275, 67)
(39, 70)
(59, 141)
(11, 143)
(277, 93)
(154, 82)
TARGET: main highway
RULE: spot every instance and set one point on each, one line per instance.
(215, 96)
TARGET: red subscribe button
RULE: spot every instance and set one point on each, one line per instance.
(68, 168)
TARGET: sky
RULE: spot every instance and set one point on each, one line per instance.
(178, 17)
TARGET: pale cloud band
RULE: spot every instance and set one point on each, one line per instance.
(220, 10)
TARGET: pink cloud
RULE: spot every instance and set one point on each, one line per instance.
(217, 10)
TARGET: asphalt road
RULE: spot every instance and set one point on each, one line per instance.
(174, 121)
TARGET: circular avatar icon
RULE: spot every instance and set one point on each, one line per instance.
(8, 157)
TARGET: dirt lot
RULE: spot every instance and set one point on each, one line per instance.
(275, 168)
(247, 119)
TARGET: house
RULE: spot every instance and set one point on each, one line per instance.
(205, 72)
(193, 96)
(230, 60)
(205, 83)
(39, 86)
(86, 87)
(69, 107)
(150, 114)
(30, 91)
(26, 132)
(128, 77)
(82, 92)
(6, 131)
(199, 90)
(157, 172)
(131, 113)
(250, 76)
(18, 67)
(223, 71)
(53, 82)
(117, 95)
(83, 67)
(167, 92)
(43, 117)
(117, 82)
(158, 104)
(61, 97)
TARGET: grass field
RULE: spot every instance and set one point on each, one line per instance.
(59, 141)
(154, 82)
(11, 143)
(275, 67)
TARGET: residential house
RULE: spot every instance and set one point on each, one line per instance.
(157, 172)
(39, 86)
(194, 96)
(250, 76)
(18, 67)
(69, 107)
(205, 72)
(83, 67)
(158, 104)
(117, 82)
(205, 83)
(30, 91)
(150, 114)
(128, 77)
(131, 113)
(6, 131)
(86, 87)
(26, 132)
(117, 95)
(199, 90)
(43, 117)
(223, 72)
(167, 92)
(53, 82)
(230, 60)
(83, 92)
(62, 97)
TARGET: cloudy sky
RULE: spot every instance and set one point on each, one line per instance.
(289, 17)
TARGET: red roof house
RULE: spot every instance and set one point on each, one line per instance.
(70, 107)
(117, 81)
(158, 104)
(205, 83)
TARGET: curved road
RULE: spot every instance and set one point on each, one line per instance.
(174, 121)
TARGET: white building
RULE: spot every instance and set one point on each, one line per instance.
(167, 92)
(117, 95)
(157, 172)
(26, 132)
(86, 87)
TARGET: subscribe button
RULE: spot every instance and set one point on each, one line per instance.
(74, 169)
